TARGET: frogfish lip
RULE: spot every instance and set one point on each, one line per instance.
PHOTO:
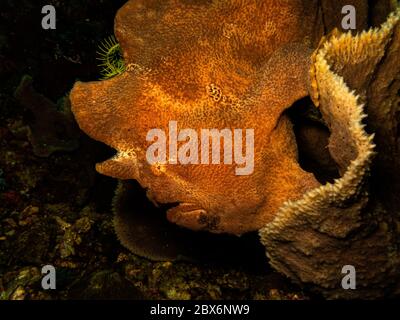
(181, 213)
(182, 207)
(189, 215)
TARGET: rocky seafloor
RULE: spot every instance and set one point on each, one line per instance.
(55, 209)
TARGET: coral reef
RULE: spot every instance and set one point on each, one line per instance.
(245, 70)
(204, 57)
(351, 221)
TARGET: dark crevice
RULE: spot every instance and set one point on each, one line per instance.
(312, 137)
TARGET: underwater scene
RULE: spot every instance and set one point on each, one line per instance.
(199, 150)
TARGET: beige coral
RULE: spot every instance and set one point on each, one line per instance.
(345, 223)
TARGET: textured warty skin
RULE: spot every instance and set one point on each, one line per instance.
(203, 72)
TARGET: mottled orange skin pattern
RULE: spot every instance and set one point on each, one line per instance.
(207, 64)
